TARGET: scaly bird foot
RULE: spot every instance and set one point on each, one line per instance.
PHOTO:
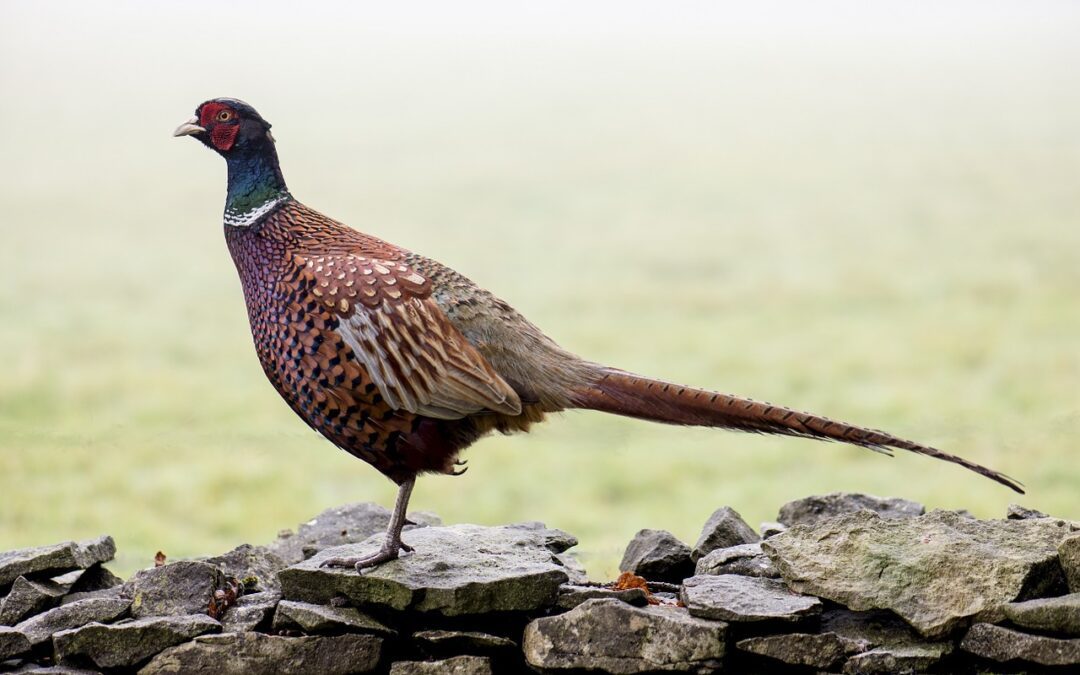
(383, 555)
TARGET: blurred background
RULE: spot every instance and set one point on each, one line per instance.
(867, 210)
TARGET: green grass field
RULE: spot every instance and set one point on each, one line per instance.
(880, 226)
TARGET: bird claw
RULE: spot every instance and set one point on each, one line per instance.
(360, 563)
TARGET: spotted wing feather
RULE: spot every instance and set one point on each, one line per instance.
(416, 358)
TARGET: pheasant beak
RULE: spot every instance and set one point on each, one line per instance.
(188, 128)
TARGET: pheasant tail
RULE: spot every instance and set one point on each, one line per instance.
(623, 393)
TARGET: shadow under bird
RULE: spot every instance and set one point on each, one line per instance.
(403, 362)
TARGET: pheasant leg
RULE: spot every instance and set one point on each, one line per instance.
(392, 544)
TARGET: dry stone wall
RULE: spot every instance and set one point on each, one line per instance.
(841, 583)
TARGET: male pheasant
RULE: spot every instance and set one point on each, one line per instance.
(403, 362)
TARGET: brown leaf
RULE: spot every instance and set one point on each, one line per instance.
(628, 580)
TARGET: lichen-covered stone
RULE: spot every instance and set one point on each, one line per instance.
(40, 628)
(35, 669)
(177, 589)
(452, 642)
(724, 528)
(1003, 645)
(116, 592)
(12, 643)
(571, 595)
(455, 570)
(736, 598)
(1058, 615)
(934, 571)
(312, 618)
(27, 598)
(246, 563)
(337, 526)
(657, 555)
(815, 650)
(575, 571)
(748, 560)
(555, 540)
(49, 561)
(867, 630)
(243, 653)
(457, 665)
(911, 658)
(812, 510)
(1069, 555)
(770, 529)
(614, 637)
(1017, 512)
(250, 612)
(95, 578)
(129, 643)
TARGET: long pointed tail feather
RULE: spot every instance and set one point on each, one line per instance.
(632, 395)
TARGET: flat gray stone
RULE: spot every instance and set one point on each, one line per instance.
(770, 529)
(870, 629)
(40, 628)
(572, 595)
(177, 589)
(256, 567)
(453, 642)
(457, 665)
(736, 598)
(1069, 555)
(312, 618)
(127, 644)
(615, 637)
(1003, 645)
(815, 650)
(116, 592)
(35, 669)
(50, 561)
(424, 519)
(812, 510)
(1058, 615)
(935, 571)
(94, 578)
(243, 653)
(12, 643)
(338, 526)
(555, 540)
(747, 560)
(27, 598)
(657, 555)
(917, 658)
(1017, 512)
(250, 612)
(574, 569)
(455, 570)
(724, 528)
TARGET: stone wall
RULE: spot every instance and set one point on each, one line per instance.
(840, 583)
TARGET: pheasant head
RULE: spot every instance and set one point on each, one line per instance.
(238, 133)
(227, 125)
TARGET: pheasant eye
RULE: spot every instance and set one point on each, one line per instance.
(224, 116)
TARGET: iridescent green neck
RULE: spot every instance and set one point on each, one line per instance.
(255, 180)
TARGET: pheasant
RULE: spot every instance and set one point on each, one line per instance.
(403, 362)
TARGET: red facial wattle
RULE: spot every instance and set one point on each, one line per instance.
(222, 134)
